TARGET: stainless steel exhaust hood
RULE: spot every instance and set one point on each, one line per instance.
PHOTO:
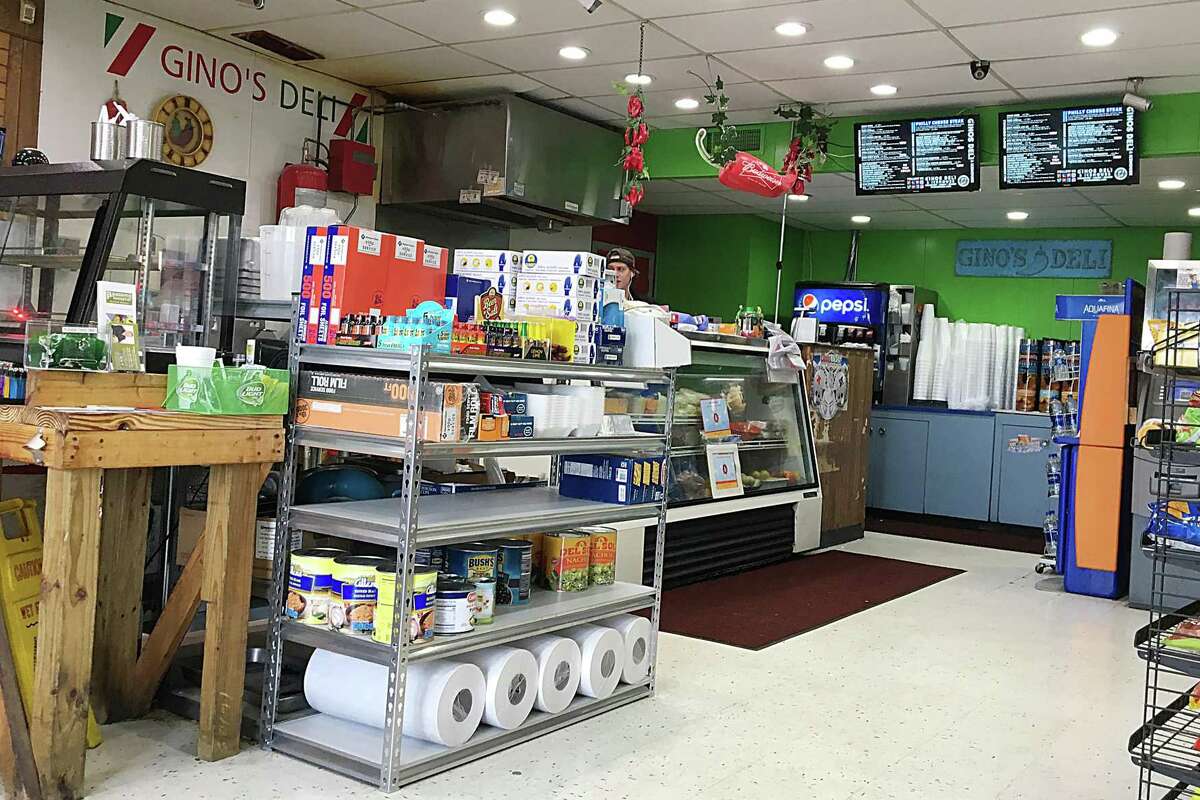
(503, 161)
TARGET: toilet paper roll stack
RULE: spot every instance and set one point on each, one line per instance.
(512, 682)
(635, 633)
(558, 670)
(444, 700)
(603, 653)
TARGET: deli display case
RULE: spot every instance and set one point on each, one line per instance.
(779, 510)
(168, 230)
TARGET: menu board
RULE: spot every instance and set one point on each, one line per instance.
(1093, 146)
(917, 156)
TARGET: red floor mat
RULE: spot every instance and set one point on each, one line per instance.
(764, 606)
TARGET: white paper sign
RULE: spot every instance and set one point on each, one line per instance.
(724, 471)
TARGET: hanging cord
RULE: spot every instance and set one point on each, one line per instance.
(641, 50)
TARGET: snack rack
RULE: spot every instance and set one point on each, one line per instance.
(1166, 748)
(409, 521)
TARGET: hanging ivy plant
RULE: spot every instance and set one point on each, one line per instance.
(723, 149)
(810, 136)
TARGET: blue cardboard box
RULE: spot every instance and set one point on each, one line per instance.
(607, 479)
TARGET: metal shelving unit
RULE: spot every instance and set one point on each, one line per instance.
(1166, 748)
(410, 521)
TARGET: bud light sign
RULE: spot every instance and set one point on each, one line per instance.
(840, 306)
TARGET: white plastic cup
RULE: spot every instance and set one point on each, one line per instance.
(188, 356)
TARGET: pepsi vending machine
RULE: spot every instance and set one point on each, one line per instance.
(848, 313)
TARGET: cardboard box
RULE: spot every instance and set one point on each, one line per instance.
(378, 405)
(315, 251)
(650, 342)
(191, 527)
(608, 479)
(520, 426)
(416, 277)
(461, 292)
(508, 261)
(504, 283)
(557, 287)
(576, 310)
(493, 427)
(562, 262)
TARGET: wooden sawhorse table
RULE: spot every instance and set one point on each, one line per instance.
(98, 467)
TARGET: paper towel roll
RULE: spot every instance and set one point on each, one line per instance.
(635, 632)
(603, 653)
(444, 700)
(559, 661)
(512, 679)
(1177, 246)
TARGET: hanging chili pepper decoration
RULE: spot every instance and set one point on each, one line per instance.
(637, 133)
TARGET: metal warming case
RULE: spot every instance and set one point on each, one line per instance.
(780, 511)
(505, 161)
(167, 229)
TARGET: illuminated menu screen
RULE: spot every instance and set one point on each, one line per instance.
(1094, 146)
(917, 156)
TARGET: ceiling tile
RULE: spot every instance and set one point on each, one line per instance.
(668, 73)
(969, 12)
(664, 186)
(460, 88)
(1141, 216)
(454, 21)
(1038, 217)
(354, 33)
(829, 20)
(697, 198)
(1106, 65)
(953, 103)
(742, 96)
(655, 9)
(585, 109)
(704, 119)
(877, 54)
(541, 92)
(912, 84)
(208, 16)
(1111, 90)
(895, 219)
(609, 44)
(1146, 27)
(430, 63)
(821, 203)
(377, 3)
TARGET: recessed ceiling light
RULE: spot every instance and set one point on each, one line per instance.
(573, 53)
(638, 80)
(499, 17)
(687, 103)
(791, 29)
(860, 219)
(1099, 37)
(1194, 212)
(798, 198)
(1171, 184)
(1018, 216)
(884, 90)
(839, 62)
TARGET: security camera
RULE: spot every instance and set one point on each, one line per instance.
(980, 69)
(1137, 102)
(590, 6)
(258, 5)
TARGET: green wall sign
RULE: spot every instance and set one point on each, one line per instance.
(1034, 258)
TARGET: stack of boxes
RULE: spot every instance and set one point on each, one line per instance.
(565, 285)
(498, 268)
(612, 479)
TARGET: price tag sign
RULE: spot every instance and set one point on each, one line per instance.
(724, 471)
(714, 417)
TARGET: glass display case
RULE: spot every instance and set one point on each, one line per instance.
(167, 230)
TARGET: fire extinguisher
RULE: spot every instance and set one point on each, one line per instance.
(297, 180)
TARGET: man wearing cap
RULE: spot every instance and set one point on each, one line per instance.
(623, 264)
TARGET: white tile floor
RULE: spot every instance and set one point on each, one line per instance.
(993, 684)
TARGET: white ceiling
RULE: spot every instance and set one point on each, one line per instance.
(832, 202)
(442, 49)
(425, 50)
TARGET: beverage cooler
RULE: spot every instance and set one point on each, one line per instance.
(885, 317)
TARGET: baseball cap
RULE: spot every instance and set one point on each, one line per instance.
(622, 255)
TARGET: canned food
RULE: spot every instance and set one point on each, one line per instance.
(432, 557)
(536, 577)
(602, 556)
(485, 600)
(310, 578)
(514, 571)
(423, 586)
(472, 561)
(354, 594)
(565, 559)
(455, 605)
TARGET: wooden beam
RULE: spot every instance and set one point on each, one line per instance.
(229, 557)
(51, 387)
(18, 772)
(146, 448)
(66, 621)
(123, 532)
(160, 647)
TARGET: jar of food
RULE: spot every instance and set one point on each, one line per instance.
(354, 594)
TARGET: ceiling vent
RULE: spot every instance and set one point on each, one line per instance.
(278, 45)
(749, 138)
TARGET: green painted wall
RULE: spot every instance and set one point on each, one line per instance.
(706, 265)
(1171, 128)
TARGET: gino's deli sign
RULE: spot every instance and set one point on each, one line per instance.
(130, 43)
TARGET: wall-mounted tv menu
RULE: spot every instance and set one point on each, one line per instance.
(1093, 146)
(917, 156)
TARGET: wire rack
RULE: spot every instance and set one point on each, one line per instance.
(1166, 748)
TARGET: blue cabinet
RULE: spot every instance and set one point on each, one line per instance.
(958, 464)
(896, 472)
(1023, 445)
(958, 474)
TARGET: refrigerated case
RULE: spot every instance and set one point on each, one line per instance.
(168, 230)
(780, 511)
